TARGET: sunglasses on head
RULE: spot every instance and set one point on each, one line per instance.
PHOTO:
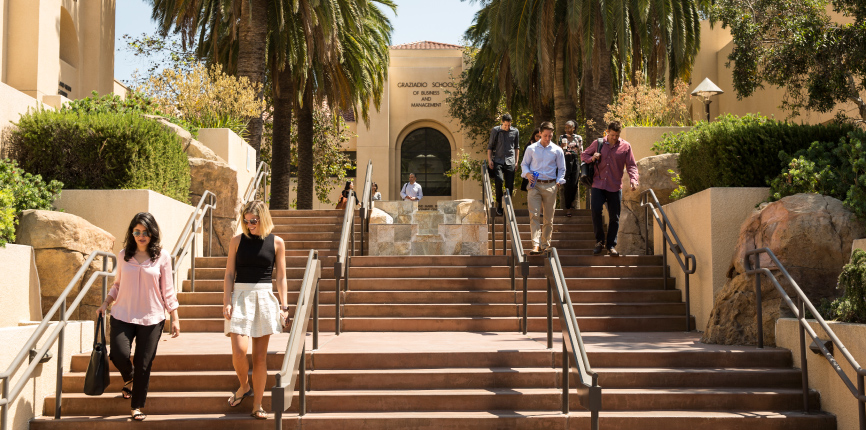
(140, 233)
(253, 221)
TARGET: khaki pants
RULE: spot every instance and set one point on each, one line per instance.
(541, 201)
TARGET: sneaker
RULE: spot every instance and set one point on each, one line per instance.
(612, 251)
(498, 211)
(598, 248)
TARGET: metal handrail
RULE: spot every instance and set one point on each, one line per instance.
(206, 205)
(688, 265)
(262, 173)
(341, 264)
(294, 362)
(803, 304)
(487, 199)
(574, 358)
(366, 202)
(58, 334)
(518, 255)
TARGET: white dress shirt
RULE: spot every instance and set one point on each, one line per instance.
(411, 190)
(548, 161)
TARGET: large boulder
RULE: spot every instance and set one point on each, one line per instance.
(221, 179)
(811, 235)
(654, 173)
(378, 216)
(62, 243)
(192, 147)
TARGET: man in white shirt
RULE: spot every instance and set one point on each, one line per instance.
(411, 190)
(549, 162)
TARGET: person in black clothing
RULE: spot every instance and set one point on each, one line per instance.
(572, 145)
(503, 151)
(249, 305)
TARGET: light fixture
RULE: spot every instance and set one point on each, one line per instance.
(706, 90)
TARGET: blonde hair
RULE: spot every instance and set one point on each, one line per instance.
(259, 209)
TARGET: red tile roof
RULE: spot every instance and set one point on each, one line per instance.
(426, 44)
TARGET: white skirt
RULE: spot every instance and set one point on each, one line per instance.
(255, 311)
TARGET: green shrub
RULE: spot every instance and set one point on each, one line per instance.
(836, 169)
(851, 307)
(19, 191)
(743, 151)
(7, 217)
(134, 102)
(102, 150)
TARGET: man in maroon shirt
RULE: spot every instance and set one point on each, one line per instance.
(612, 155)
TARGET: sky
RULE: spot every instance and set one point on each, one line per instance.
(436, 20)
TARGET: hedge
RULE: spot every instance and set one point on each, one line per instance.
(103, 150)
(743, 151)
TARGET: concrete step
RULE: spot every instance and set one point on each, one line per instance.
(309, 213)
(216, 325)
(464, 420)
(498, 260)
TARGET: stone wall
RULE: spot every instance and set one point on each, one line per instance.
(457, 227)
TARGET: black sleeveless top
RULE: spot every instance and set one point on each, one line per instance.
(254, 262)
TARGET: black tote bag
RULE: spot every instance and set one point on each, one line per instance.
(96, 380)
(587, 170)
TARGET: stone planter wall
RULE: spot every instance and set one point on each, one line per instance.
(835, 397)
(457, 227)
(708, 224)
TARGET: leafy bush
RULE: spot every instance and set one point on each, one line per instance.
(836, 169)
(102, 151)
(205, 97)
(19, 191)
(644, 106)
(743, 151)
(851, 307)
(133, 103)
(7, 217)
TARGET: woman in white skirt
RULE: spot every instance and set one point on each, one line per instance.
(249, 304)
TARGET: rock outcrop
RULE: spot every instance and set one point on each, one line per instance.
(654, 173)
(811, 235)
(378, 216)
(62, 243)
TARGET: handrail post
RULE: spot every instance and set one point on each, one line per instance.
(277, 402)
(504, 234)
(524, 268)
(647, 226)
(664, 257)
(688, 306)
(861, 406)
(511, 271)
(5, 408)
(363, 216)
(302, 395)
(316, 317)
(492, 226)
(804, 365)
(192, 260)
(759, 303)
(564, 378)
(549, 314)
(352, 232)
(210, 228)
(58, 396)
(338, 268)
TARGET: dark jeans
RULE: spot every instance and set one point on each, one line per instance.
(613, 200)
(503, 173)
(146, 340)
(569, 192)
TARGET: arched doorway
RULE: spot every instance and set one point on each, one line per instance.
(426, 153)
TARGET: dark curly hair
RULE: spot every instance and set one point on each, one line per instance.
(149, 223)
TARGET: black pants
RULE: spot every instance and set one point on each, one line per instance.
(146, 340)
(569, 192)
(613, 200)
(503, 173)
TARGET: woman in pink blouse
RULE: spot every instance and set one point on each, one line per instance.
(142, 293)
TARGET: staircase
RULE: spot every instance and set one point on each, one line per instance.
(434, 342)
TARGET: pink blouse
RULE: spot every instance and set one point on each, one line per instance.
(143, 292)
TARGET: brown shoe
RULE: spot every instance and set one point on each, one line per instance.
(535, 251)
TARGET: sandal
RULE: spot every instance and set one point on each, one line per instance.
(234, 401)
(126, 391)
(137, 415)
(260, 414)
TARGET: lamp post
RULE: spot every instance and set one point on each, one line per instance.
(706, 90)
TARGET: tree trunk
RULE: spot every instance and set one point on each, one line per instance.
(251, 59)
(281, 159)
(564, 107)
(598, 86)
(305, 148)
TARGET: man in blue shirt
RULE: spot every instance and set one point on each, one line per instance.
(549, 162)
